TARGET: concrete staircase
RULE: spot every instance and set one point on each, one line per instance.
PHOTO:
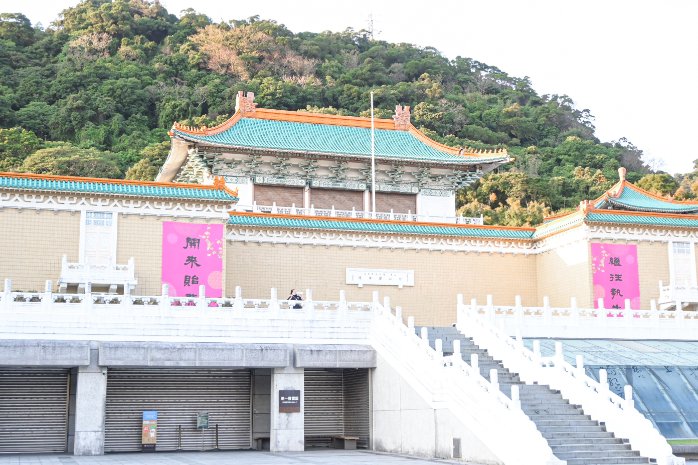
(572, 435)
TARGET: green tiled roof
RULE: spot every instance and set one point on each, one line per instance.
(679, 222)
(331, 139)
(637, 200)
(378, 227)
(114, 188)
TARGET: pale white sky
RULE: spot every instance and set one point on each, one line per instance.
(633, 63)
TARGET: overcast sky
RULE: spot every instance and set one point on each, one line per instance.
(633, 63)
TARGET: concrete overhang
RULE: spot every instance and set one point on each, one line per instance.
(154, 354)
(334, 356)
(22, 352)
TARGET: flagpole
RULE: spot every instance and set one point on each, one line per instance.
(373, 163)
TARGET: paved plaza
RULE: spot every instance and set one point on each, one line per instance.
(318, 457)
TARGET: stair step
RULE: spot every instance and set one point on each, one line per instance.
(569, 420)
(577, 436)
(592, 443)
(598, 454)
(609, 461)
(589, 447)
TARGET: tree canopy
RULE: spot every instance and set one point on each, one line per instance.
(109, 77)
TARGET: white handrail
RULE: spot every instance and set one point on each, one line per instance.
(449, 382)
(334, 213)
(619, 415)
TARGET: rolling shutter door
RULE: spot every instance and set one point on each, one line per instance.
(33, 410)
(357, 411)
(341, 200)
(323, 407)
(398, 203)
(282, 195)
(178, 395)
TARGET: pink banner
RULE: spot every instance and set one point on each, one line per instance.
(616, 277)
(192, 255)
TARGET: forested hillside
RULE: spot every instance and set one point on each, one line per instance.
(95, 93)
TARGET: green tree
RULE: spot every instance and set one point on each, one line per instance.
(68, 160)
(658, 183)
(16, 144)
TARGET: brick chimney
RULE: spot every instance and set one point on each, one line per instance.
(402, 117)
(245, 103)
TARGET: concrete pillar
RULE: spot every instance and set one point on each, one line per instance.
(287, 429)
(90, 402)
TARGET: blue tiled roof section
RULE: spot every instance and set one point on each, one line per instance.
(115, 188)
(378, 227)
(632, 199)
(330, 139)
(679, 222)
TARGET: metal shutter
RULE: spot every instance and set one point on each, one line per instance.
(357, 419)
(340, 200)
(323, 407)
(398, 203)
(281, 195)
(178, 395)
(34, 410)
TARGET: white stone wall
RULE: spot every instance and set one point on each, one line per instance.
(405, 423)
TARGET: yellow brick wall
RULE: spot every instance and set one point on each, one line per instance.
(563, 273)
(33, 243)
(653, 266)
(439, 276)
(140, 237)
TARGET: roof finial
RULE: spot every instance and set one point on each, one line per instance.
(245, 103)
(621, 173)
(402, 117)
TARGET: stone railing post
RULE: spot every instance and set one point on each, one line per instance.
(518, 310)
(47, 298)
(376, 302)
(127, 297)
(627, 311)
(653, 305)
(386, 304)
(238, 304)
(164, 298)
(515, 395)
(342, 310)
(490, 308)
(547, 311)
(201, 301)
(580, 366)
(603, 379)
(494, 380)
(398, 314)
(424, 334)
(274, 302)
(456, 349)
(309, 305)
(439, 347)
(628, 397)
(559, 355)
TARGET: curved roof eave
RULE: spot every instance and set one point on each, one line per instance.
(466, 161)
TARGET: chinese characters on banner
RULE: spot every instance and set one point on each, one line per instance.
(192, 255)
(616, 278)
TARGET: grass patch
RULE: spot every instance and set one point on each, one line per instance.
(683, 442)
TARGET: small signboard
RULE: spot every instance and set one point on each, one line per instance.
(289, 401)
(202, 420)
(149, 435)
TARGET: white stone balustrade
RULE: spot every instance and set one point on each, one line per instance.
(619, 415)
(575, 322)
(109, 274)
(673, 296)
(451, 383)
(333, 213)
(108, 317)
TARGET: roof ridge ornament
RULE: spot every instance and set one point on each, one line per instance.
(621, 173)
(245, 104)
(402, 117)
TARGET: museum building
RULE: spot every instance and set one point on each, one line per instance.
(127, 297)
